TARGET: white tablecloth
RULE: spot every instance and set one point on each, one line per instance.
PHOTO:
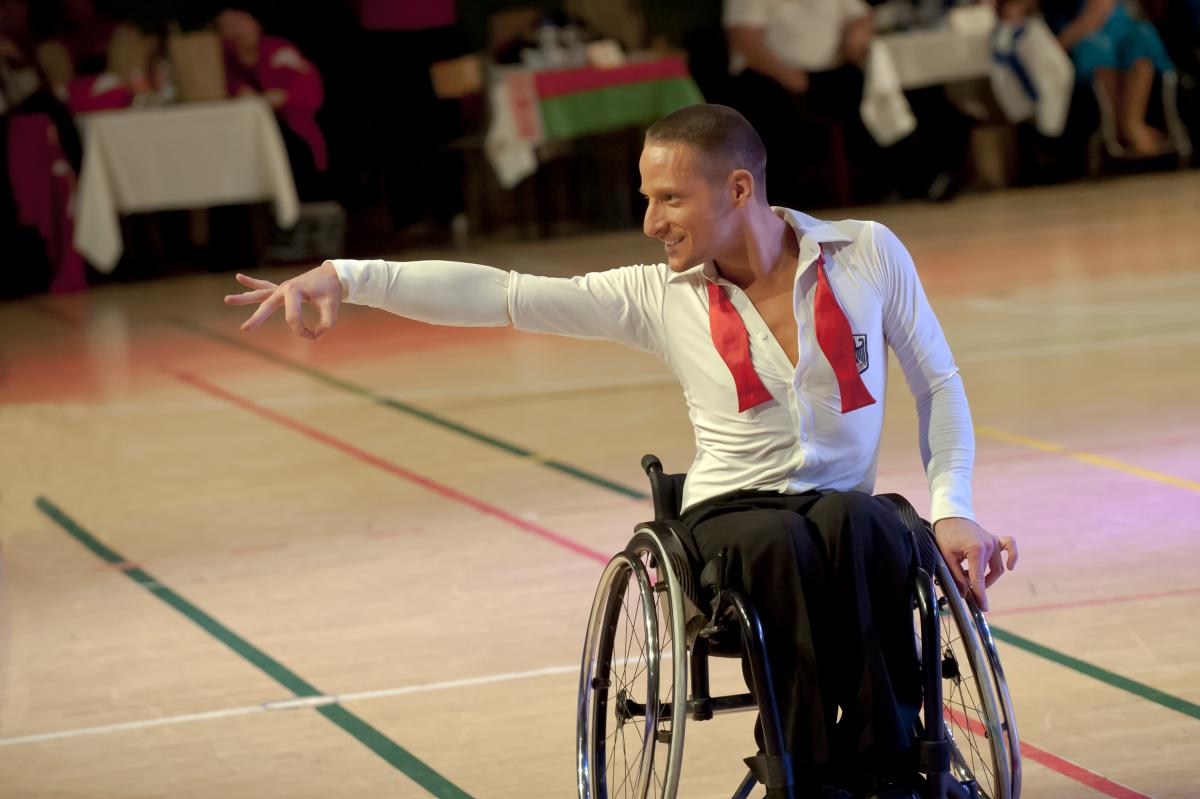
(915, 59)
(186, 156)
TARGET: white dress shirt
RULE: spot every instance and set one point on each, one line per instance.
(805, 34)
(798, 441)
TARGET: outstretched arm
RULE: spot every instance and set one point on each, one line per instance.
(622, 305)
(947, 438)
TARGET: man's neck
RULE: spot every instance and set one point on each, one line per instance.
(766, 255)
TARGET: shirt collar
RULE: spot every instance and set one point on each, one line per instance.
(805, 226)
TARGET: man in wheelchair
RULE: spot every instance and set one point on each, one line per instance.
(777, 327)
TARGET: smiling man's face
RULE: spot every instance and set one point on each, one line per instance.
(687, 207)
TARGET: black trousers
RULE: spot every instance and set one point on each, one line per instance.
(830, 576)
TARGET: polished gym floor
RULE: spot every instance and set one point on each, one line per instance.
(250, 565)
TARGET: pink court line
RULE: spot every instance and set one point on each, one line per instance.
(1053, 762)
(388, 466)
(1085, 603)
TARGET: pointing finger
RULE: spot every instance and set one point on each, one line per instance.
(269, 306)
(253, 282)
(247, 297)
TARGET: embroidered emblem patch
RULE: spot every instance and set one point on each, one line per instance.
(860, 353)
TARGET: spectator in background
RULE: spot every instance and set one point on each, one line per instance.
(1119, 53)
(402, 124)
(797, 64)
(86, 35)
(20, 77)
(39, 159)
(274, 68)
(796, 60)
(23, 85)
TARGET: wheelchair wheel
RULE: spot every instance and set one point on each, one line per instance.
(630, 726)
(975, 700)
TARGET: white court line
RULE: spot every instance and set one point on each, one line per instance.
(292, 703)
(131, 725)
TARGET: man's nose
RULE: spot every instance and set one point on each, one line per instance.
(652, 225)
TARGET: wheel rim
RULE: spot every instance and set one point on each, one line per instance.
(647, 549)
(619, 686)
(1001, 686)
(974, 724)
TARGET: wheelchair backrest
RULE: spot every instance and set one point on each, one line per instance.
(665, 489)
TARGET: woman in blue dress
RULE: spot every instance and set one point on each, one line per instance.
(1119, 52)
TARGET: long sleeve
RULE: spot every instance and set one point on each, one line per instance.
(945, 432)
(438, 292)
(622, 305)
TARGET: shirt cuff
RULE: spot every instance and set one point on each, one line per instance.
(950, 501)
(358, 279)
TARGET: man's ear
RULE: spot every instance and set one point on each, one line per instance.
(741, 188)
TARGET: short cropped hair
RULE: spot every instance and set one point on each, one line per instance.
(722, 136)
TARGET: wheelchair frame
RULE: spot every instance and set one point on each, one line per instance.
(659, 561)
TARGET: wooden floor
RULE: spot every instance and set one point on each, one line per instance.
(200, 528)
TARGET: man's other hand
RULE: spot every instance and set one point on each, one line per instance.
(963, 540)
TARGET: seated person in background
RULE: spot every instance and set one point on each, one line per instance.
(799, 59)
(274, 68)
(796, 63)
(20, 75)
(85, 36)
(777, 325)
(23, 85)
(1119, 53)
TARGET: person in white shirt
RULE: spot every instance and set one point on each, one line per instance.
(798, 77)
(776, 325)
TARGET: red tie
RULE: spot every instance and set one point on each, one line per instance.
(833, 336)
(837, 342)
(733, 343)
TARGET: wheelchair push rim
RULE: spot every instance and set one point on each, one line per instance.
(978, 725)
(626, 711)
(1001, 685)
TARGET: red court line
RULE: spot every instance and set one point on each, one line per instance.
(1084, 603)
(1051, 761)
(388, 466)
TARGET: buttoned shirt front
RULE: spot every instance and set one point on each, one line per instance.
(799, 440)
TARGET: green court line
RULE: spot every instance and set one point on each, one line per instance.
(399, 757)
(411, 410)
(1103, 675)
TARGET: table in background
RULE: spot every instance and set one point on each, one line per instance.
(920, 58)
(177, 157)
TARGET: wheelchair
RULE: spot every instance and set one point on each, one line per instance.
(659, 615)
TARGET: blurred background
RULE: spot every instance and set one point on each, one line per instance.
(144, 139)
